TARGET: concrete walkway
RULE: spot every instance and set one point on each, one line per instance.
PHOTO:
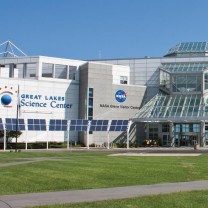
(23, 200)
(32, 160)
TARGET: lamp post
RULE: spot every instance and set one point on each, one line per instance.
(17, 118)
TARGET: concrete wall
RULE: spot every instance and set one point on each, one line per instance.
(105, 106)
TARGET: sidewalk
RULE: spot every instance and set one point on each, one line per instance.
(23, 200)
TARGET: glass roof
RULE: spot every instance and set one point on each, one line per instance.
(164, 107)
(188, 47)
(184, 67)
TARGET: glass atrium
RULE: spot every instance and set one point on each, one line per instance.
(188, 49)
(178, 114)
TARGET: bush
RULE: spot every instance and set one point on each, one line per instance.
(37, 145)
(133, 144)
(78, 144)
(57, 145)
(92, 145)
(13, 146)
(120, 145)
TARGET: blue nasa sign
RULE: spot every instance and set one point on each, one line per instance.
(120, 96)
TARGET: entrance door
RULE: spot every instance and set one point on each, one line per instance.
(188, 140)
(166, 141)
(193, 140)
(184, 140)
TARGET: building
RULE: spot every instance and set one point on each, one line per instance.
(164, 98)
(174, 107)
(54, 91)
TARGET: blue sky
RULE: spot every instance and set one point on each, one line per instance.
(107, 29)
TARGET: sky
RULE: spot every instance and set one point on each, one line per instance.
(102, 29)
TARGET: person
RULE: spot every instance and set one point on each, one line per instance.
(147, 142)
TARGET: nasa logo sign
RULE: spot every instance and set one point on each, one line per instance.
(120, 96)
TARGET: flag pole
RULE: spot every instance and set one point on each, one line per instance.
(17, 117)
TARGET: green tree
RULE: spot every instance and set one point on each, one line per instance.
(10, 135)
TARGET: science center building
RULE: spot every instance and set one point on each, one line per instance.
(109, 101)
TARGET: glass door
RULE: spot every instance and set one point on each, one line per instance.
(193, 140)
(166, 140)
(188, 140)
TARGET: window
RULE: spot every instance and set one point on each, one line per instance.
(60, 71)
(186, 83)
(177, 128)
(196, 127)
(90, 104)
(185, 127)
(206, 81)
(153, 131)
(47, 70)
(164, 80)
(90, 112)
(165, 128)
(123, 80)
(31, 71)
(72, 72)
(90, 92)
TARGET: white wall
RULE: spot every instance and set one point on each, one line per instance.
(118, 71)
(45, 92)
(4, 72)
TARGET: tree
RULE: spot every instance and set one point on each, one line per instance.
(10, 135)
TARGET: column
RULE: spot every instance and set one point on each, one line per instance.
(54, 71)
(171, 134)
(127, 134)
(5, 142)
(67, 72)
(11, 70)
(24, 70)
(202, 140)
(38, 69)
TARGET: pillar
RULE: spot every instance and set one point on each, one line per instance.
(24, 70)
(38, 69)
(172, 135)
(202, 140)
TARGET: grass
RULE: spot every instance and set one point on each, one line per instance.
(87, 170)
(193, 199)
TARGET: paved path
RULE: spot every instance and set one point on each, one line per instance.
(32, 160)
(23, 200)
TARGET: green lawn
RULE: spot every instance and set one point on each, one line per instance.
(86, 170)
(194, 199)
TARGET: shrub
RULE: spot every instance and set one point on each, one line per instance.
(92, 145)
